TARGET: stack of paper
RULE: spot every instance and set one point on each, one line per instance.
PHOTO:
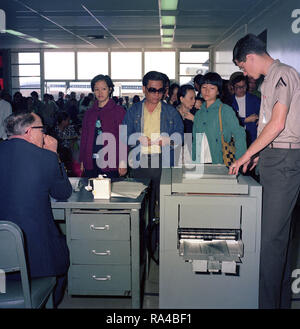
(127, 189)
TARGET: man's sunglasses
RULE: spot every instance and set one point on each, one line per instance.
(154, 90)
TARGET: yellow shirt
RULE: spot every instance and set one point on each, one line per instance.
(152, 128)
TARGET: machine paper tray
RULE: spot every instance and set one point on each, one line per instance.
(221, 250)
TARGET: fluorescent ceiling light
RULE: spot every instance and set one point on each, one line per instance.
(35, 40)
(168, 32)
(167, 39)
(168, 4)
(49, 45)
(28, 38)
(16, 33)
(168, 20)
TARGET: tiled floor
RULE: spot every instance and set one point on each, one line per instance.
(151, 297)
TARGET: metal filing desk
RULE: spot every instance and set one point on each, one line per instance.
(107, 256)
(209, 239)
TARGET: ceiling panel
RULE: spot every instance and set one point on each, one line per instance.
(121, 24)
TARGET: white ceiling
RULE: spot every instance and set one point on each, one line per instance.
(124, 24)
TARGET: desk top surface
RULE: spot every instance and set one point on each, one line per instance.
(85, 199)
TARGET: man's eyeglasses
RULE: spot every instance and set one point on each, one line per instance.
(154, 90)
(43, 129)
(240, 87)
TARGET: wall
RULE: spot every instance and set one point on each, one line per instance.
(283, 36)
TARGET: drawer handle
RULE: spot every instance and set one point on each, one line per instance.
(107, 278)
(107, 253)
(105, 227)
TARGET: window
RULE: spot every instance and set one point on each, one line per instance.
(125, 68)
(26, 82)
(128, 89)
(226, 69)
(25, 71)
(80, 87)
(224, 64)
(59, 65)
(126, 65)
(26, 58)
(161, 61)
(53, 88)
(90, 64)
(186, 80)
(194, 57)
(191, 64)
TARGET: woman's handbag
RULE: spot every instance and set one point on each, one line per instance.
(228, 149)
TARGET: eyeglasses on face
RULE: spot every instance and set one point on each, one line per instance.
(43, 128)
(154, 90)
(240, 87)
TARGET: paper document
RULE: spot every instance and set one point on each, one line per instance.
(203, 154)
(127, 189)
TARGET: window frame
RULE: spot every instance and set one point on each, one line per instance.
(43, 81)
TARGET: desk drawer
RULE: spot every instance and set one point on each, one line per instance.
(99, 226)
(100, 252)
(96, 278)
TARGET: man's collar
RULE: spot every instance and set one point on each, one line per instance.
(271, 67)
(18, 136)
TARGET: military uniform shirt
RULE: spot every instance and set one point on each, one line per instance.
(281, 84)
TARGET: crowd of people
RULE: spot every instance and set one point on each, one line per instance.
(83, 127)
(157, 126)
(68, 119)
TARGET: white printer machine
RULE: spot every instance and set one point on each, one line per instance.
(209, 238)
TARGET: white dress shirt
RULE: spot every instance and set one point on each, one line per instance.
(242, 106)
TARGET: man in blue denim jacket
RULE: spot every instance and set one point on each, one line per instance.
(154, 134)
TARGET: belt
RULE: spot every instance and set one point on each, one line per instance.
(284, 145)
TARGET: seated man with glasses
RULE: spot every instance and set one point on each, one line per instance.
(154, 129)
(29, 174)
(246, 106)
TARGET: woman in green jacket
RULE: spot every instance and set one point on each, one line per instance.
(206, 121)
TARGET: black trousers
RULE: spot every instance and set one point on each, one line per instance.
(280, 178)
(150, 167)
